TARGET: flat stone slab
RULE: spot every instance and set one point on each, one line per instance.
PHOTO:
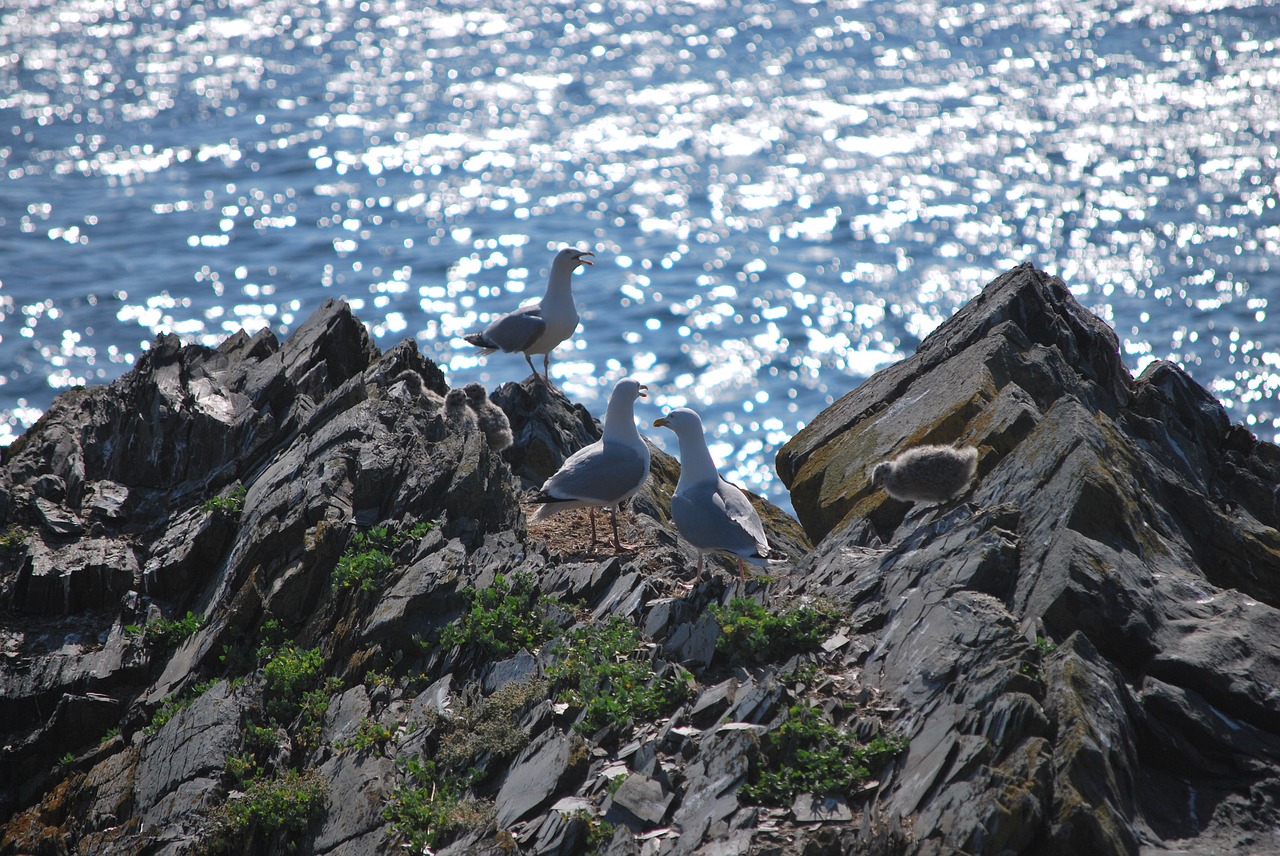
(535, 775)
(811, 808)
(643, 798)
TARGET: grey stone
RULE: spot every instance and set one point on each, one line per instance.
(814, 808)
(359, 785)
(711, 704)
(518, 669)
(640, 802)
(534, 777)
(179, 768)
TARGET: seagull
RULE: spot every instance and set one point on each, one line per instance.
(493, 422)
(457, 415)
(538, 327)
(608, 472)
(711, 514)
(928, 474)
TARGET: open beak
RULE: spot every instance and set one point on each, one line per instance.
(643, 389)
(582, 258)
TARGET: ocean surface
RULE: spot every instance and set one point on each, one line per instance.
(782, 197)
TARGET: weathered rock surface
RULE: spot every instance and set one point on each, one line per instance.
(1081, 650)
(1124, 521)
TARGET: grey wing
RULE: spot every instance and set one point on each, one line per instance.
(706, 521)
(598, 473)
(515, 331)
(740, 510)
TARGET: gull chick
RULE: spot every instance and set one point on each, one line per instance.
(711, 514)
(927, 474)
(493, 422)
(538, 327)
(608, 472)
(457, 415)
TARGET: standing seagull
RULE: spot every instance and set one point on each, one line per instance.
(493, 421)
(929, 474)
(608, 472)
(712, 515)
(538, 327)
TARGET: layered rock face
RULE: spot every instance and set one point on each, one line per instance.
(1085, 648)
(1080, 654)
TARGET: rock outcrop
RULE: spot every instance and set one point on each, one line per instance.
(1084, 647)
(263, 594)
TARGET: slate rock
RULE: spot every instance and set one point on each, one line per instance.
(535, 776)
(639, 803)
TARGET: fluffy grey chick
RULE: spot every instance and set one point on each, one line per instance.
(929, 474)
(493, 422)
(457, 415)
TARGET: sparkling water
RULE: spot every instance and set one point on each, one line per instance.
(782, 197)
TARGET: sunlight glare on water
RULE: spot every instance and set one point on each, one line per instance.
(782, 197)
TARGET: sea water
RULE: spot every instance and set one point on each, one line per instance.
(781, 197)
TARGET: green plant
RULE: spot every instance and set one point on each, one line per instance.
(503, 618)
(171, 706)
(230, 504)
(488, 728)
(364, 561)
(168, 631)
(606, 670)
(287, 802)
(14, 537)
(599, 833)
(370, 734)
(807, 754)
(430, 804)
(261, 738)
(241, 768)
(1045, 646)
(111, 734)
(367, 557)
(290, 674)
(67, 760)
(418, 531)
(749, 633)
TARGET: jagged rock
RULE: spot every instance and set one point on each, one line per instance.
(1079, 649)
(179, 769)
(535, 775)
(640, 802)
(1112, 516)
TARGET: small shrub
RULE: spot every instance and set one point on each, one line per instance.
(503, 618)
(599, 833)
(490, 727)
(431, 805)
(288, 803)
(14, 537)
(168, 631)
(370, 734)
(365, 560)
(807, 754)
(606, 670)
(241, 768)
(67, 760)
(111, 734)
(749, 633)
(368, 557)
(291, 674)
(232, 504)
(1045, 646)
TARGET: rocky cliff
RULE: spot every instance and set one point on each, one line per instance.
(263, 597)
